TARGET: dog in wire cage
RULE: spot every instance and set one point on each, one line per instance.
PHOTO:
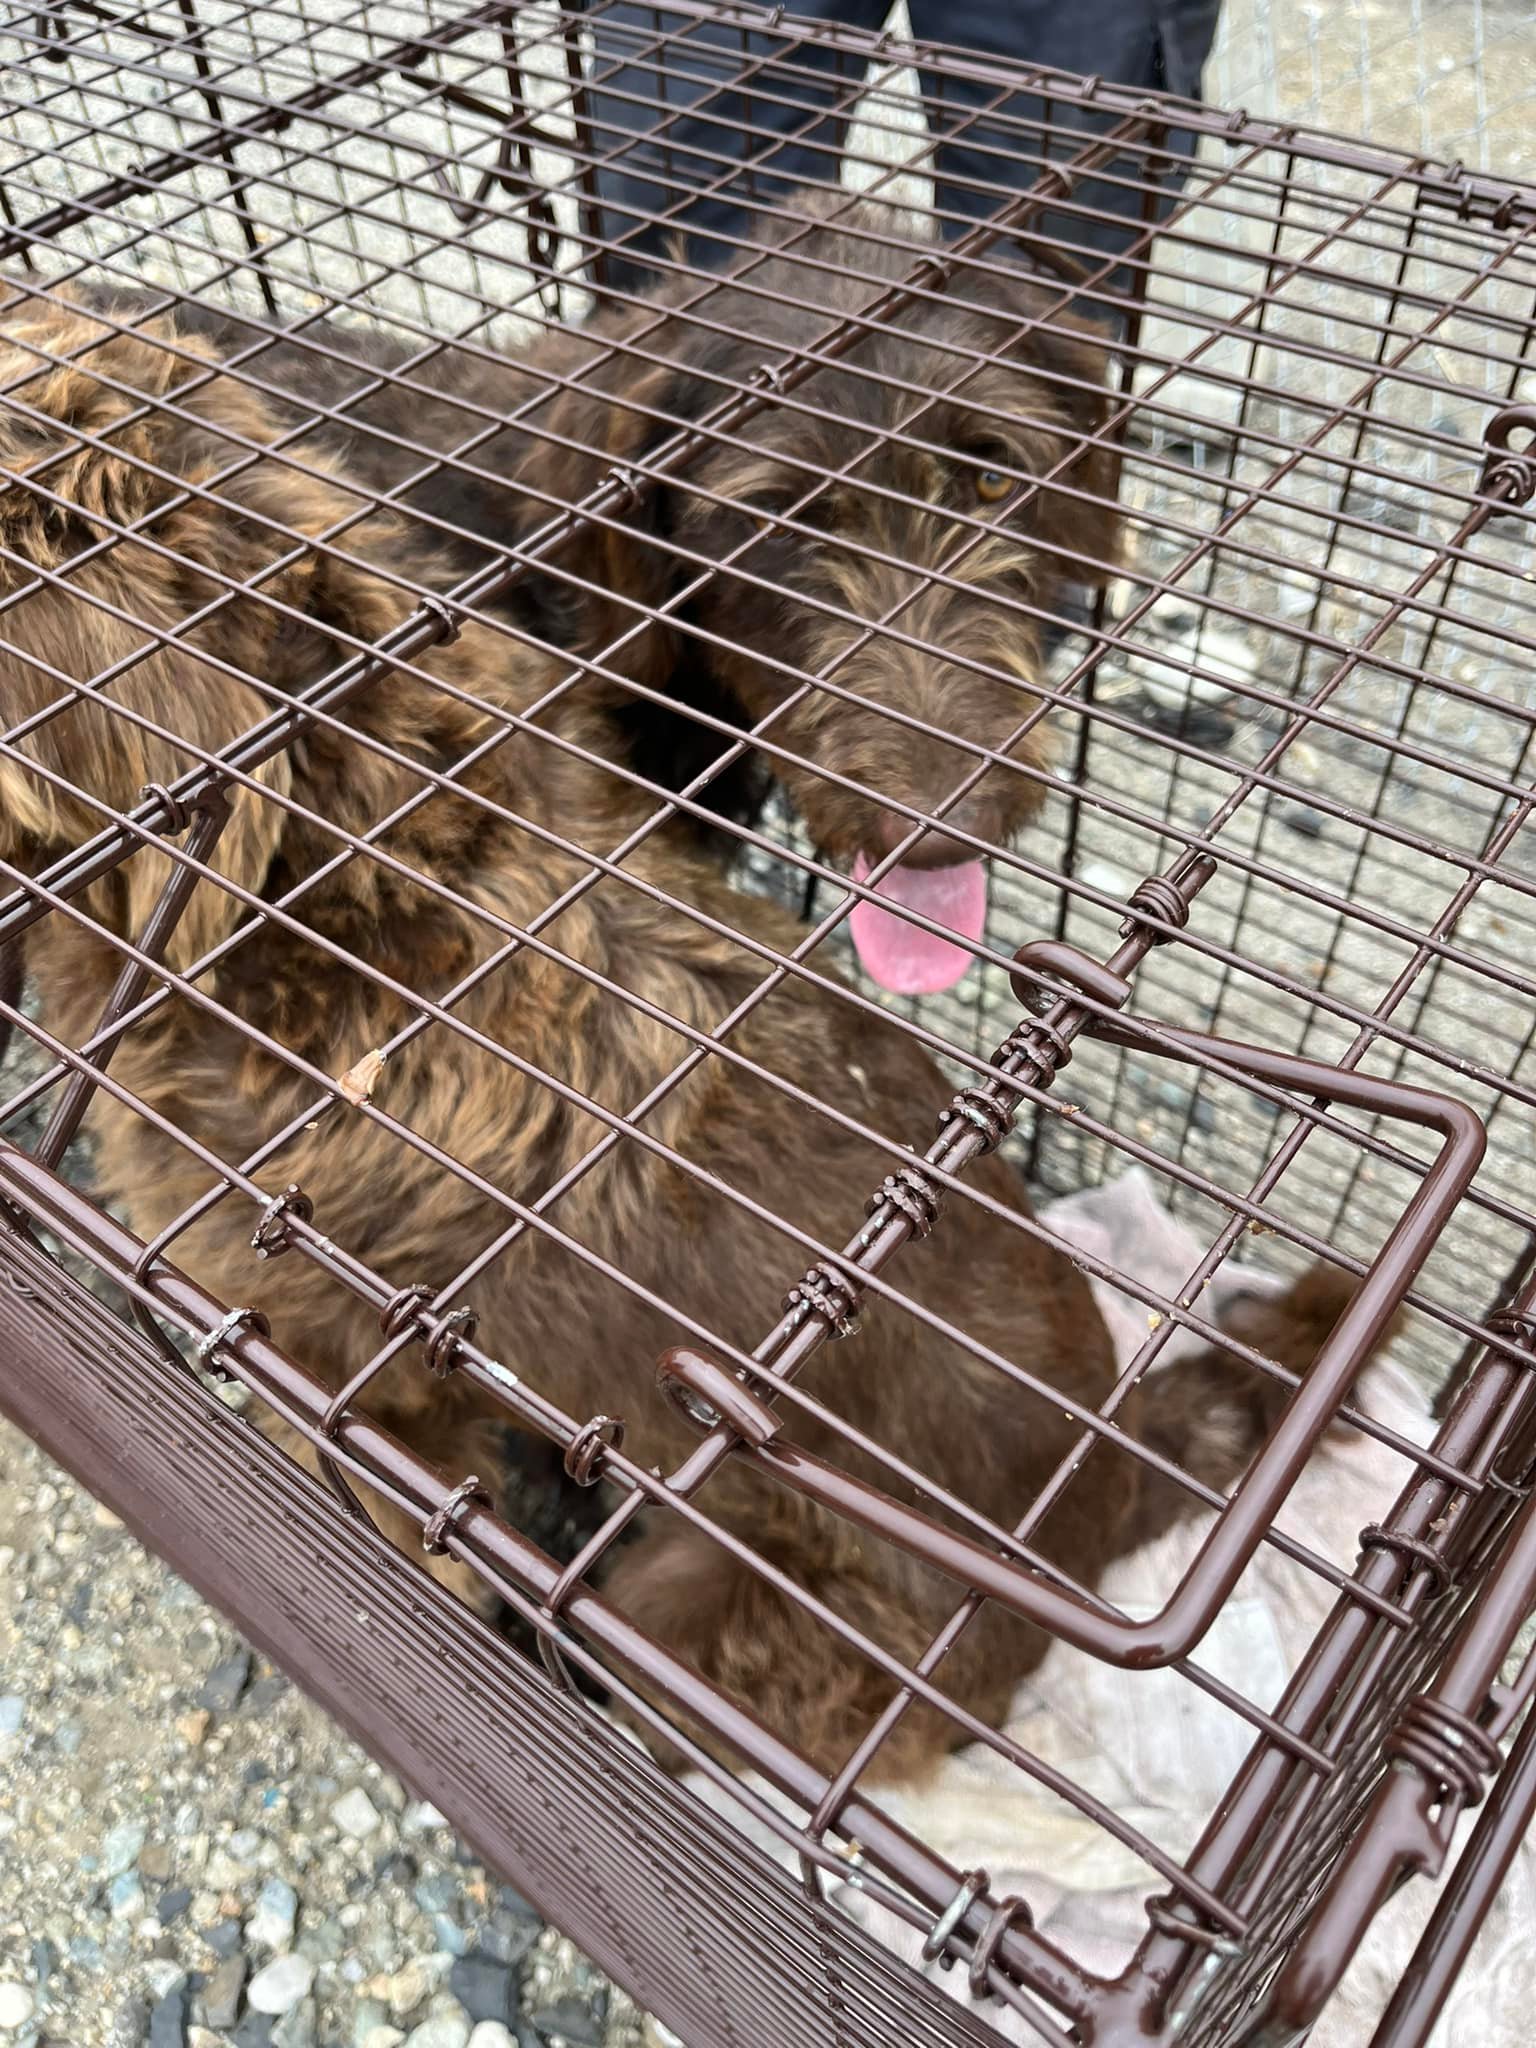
(772, 609)
(453, 968)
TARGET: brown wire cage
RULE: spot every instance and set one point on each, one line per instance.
(1272, 902)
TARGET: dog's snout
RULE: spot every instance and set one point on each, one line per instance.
(936, 849)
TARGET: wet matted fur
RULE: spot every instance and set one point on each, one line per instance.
(185, 629)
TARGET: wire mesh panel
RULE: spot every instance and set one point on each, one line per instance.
(553, 734)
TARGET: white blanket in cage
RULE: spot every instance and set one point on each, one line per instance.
(1160, 1751)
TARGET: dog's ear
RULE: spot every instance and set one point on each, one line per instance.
(1069, 361)
(137, 717)
(1074, 362)
(100, 678)
(617, 572)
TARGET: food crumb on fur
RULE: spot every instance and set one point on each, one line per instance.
(359, 1081)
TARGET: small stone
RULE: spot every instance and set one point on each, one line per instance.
(435, 1894)
(155, 1862)
(367, 2014)
(85, 1952)
(420, 1818)
(203, 2037)
(381, 2037)
(408, 1988)
(17, 2006)
(192, 1727)
(254, 2031)
(163, 1976)
(506, 1939)
(296, 2029)
(221, 1993)
(13, 1710)
(67, 1738)
(104, 1518)
(272, 1923)
(446, 2032)
(325, 1943)
(125, 1896)
(355, 1813)
(1307, 822)
(120, 1850)
(280, 1986)
(448, 1934)
(130, 2024)
(486, 1989)
(168, 2018)
(265, 1692)
(244, 1845)
(225, 1682)
(45, 1959)
(172, 1905)
(491, 2034)
(571, 2022)
(224, 1938)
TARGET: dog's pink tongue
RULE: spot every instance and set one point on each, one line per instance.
(900, 956)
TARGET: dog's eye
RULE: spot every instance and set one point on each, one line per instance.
(993, 485)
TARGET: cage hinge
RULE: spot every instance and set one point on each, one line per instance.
(589, 1448)
(827, 1294)
(1445, 1746)
(1518, 1328)
(441, 1340)
(269, 1240)
(1509, 474)
(1475, 198)
(468, 1493)
(705, 1393)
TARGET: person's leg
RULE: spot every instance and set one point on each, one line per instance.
(1154, 44)
(673, 114)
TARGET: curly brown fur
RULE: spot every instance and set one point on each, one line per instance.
(1028, 396)
(1026, 399)
(146, 651)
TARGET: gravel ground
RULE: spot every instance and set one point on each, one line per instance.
(191, 1854)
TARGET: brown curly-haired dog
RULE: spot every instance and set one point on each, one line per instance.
(890, 553)
(823, 520)
(128, 656)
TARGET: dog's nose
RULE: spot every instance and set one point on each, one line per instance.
(934, 850)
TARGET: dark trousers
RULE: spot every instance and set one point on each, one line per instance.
(676, 114)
